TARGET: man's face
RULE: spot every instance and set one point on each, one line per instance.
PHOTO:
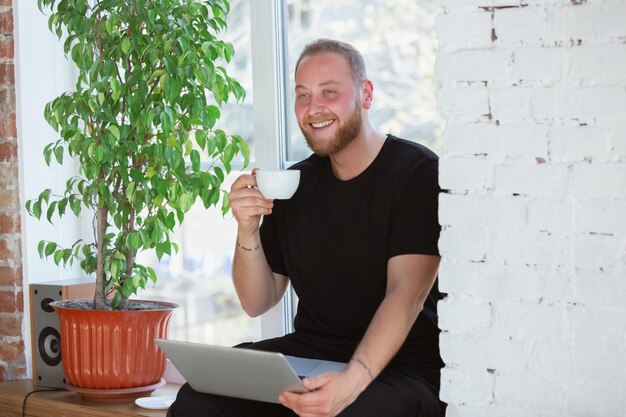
(327, 104)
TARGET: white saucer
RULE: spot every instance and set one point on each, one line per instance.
(161, 402)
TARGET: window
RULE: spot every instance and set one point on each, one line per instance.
(198, 277)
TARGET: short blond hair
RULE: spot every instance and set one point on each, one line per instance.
(349, 52)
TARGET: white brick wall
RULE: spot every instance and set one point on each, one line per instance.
(534, 210)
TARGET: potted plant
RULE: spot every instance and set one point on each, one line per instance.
(142, 130)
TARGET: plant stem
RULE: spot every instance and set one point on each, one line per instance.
(100, 296)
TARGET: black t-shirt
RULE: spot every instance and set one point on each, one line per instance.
(333, 239)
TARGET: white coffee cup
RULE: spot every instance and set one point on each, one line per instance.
(280, 185)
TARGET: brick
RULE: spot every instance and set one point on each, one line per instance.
(616, 135)
(596, 397)
(596, 287)
(603, 63)
(3, 372)
(8, 152)
(9, 178)
(495, 410)
(522, 25)
(20, 372)
(473, 386)
(602, 217)
(9, 223)
(7, 100)
(590, 20)
(10, 276)
(11, 325)
(464, 243)
(551, 359)
(466, 174)
(538, 394)
(458, 210)
(511, 104)
(576, 143)
(463, 30)
(495, 141)
(513, 248)
(581, 103)
(597, 252)
(8, 200)
(530, 178)
(587, 178)
(7, 74)
(6, 22)
(550, 215)
(475, 4)
(467, 104)
(476, 313)
(480, 65)
(8, 126)
(606, 360)
(519, 283)
(481, 351)
(545, 64)
(6, 251)
(531, 322)
(7, 48)
(12, 351)
(8, 301)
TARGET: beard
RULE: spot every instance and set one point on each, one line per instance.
(345, 134)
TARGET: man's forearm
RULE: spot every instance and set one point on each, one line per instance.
(410, 279)
(386, 333)
(254, 281)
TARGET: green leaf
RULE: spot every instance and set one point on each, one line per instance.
(41, 247)
(58, 256)
(37, 209)
(98, 155)
(159, 250)
(195, 160)
(115, 269)
(115, 131)
(220, 174)
(133, 240)
(201, 136)
(58, 154)
(225, 203)
(50, 248)
(130, 191)
(117, 300)
(51, 209)
(125, 46)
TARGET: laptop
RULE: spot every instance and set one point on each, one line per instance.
(242, 373)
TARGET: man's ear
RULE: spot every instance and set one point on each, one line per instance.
(367, 89)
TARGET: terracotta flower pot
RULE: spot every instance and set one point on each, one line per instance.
(113, 349)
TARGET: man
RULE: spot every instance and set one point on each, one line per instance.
(358, 242)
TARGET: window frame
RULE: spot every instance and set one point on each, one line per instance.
(270, 82)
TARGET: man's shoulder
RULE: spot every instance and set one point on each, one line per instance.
(311, 162)
(406, 149)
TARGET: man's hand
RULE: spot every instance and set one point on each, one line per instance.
(248, 204)
(330, 393)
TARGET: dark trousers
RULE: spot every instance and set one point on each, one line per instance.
(394, 393)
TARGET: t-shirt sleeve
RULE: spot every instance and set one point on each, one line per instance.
(414, 224)
(271, 245)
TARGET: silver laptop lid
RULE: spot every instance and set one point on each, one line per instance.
(233, 372)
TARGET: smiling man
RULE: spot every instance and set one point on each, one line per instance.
(358, 242)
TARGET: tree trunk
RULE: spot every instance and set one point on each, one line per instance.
(100, 296)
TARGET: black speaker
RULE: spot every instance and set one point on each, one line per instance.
(44, 325)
